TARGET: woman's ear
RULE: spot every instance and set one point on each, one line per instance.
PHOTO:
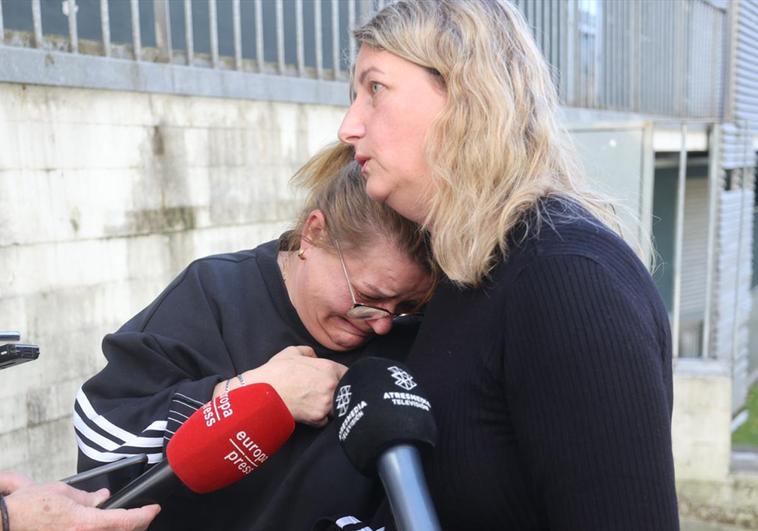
(314, 230)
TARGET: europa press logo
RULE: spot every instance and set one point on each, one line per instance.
(343, 400)
(402, 378)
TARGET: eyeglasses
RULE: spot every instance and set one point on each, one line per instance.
(360, 311)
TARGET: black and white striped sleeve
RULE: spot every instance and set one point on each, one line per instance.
(162, 365)
(148, 389)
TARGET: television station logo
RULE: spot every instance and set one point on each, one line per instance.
(402, 378)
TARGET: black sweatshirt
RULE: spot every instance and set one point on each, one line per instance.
(552, 388)
(551, 385)
(223, 315)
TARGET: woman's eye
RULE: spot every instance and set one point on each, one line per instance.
(369, 298)
(375, 87)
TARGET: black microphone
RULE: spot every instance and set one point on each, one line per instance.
(383, 419)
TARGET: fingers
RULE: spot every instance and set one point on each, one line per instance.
(79, 497)
(143, 516)
(340, 369)
(119, 519)
(306, 351)
(319, 423)
(11, 481)
(296, 351)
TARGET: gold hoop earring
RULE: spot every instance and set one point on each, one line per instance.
(301, 254)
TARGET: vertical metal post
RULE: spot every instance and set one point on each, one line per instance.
(539, 28)
(678, 240)
(105, 27)
(136, 35)
(656, 43)
(745, 141)
(647, 191)
(189, 39)
(259, 35)
(237, 34)
(37, 21)
(563, 59)
(578, 81)
(636, 56)
(738, 180)
(73, 33)
(336, 38)
(618, 58)
(555, 23)
(317, 34)
(280, 36)
(299, 38)
(163, 30)
(679, 62)
(714, 190)
(713, 70)
(351, 25)
(2, 27)
(213, 34)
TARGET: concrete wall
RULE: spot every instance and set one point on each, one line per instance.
(701, 421)
(106, 196)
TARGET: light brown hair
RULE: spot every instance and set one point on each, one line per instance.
(337, 188)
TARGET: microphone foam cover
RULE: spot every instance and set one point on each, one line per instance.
(229, 437)
(378, 404)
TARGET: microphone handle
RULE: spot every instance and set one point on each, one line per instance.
(403, 478)
(151, 487)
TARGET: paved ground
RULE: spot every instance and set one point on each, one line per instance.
(694, 525)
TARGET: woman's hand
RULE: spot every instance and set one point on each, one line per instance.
(305, 382)
(59, 506)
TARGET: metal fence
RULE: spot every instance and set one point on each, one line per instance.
(659, 57)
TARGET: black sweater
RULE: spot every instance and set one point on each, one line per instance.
(223, 315)
(552, 388)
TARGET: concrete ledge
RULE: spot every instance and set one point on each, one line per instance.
(45, 67)
(701, 433)
(733, 501)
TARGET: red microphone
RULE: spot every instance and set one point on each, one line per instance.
(218, 445)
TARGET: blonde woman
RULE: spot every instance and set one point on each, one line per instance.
(546, 351)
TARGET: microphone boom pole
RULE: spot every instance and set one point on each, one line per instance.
(406, 489)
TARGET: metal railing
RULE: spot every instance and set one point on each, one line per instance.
(652, 57)
(648, 56)
(285, 37)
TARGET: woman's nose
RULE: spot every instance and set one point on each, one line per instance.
(352, 127)
(381, 326)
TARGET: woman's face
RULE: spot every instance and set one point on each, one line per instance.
(395, 103)
(380, 274)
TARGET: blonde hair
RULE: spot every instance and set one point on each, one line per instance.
(337, 188)
(496, 149)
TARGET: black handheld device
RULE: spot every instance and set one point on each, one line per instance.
(15, 353)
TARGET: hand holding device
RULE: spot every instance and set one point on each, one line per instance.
(66, 507)
(15, 353)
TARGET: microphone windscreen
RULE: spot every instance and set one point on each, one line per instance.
(377, 405)
(229, 437)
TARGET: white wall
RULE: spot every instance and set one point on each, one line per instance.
(104, 198)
